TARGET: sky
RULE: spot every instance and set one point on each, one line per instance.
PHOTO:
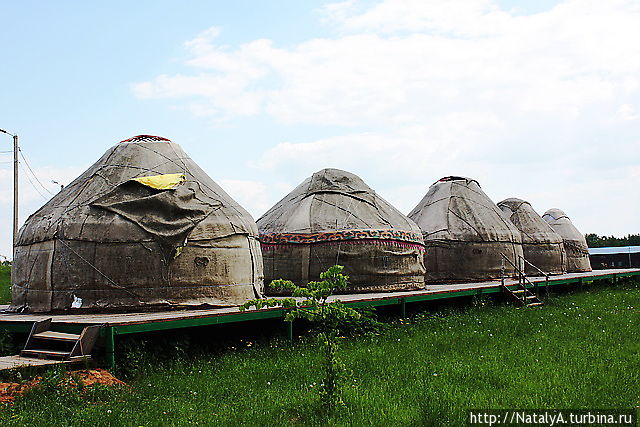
(538, 99)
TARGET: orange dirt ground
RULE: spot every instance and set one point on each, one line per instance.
(88, 377)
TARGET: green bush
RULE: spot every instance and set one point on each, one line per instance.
(311, 303)
(5, 283)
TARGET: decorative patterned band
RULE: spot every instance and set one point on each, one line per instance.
(344, 235)
(266, 247)
(146, 138)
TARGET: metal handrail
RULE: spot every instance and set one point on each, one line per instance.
(545, 274)
(509, 261)
(521, 277)
(534, 266)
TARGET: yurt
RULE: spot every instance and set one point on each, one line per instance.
(541, 245)
(465, 233)
(333, 217)
(143, 227)
(575, 245)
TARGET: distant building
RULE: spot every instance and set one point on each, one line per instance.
(615, 257)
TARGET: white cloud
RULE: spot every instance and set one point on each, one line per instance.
(538, 106)
(628, 112)
(252, 195)
(440, 140)
(409, 62)
(453, 17)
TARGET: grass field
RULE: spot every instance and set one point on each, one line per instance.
(5, 284)
(581, 350)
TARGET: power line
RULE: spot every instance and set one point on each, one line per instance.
(33, 185)
(33, 173)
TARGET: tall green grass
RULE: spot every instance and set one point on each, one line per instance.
(5, 284)
(581, 350)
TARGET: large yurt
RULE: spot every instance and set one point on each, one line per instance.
(143, 227)
(575, 245)
(541, 245)
(333, 217)
(465, 233)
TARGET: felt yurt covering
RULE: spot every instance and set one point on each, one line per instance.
(575, 244)
(333, 217)
(144, 226)
(541, 245)
(465, 233)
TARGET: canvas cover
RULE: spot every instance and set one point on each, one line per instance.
(465, 233)
(333, 217)
(575, 244)
(541, 245)
(142, 227)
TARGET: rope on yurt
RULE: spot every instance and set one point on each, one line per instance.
(113, 284)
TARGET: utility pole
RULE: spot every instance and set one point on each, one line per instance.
(15, 189)
(16, 148)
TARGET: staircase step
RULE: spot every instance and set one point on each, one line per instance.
(535, 304)
(519, 291)
(532, 296)
(45, 354)
(57, 336)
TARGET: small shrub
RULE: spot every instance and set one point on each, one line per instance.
(134, 357)
(56, 382)
(99, 393)
(367, 324)
(314, 306)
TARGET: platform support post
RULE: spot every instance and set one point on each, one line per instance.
(546, 287)
(403, 308)
(110, 347)
(290, 330)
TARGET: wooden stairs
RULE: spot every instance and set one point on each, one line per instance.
(523, 295)
(44, 343)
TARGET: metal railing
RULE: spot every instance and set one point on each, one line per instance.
(522, 277)
(545, 274)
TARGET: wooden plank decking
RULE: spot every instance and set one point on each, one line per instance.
(14, 362)
(115, 324)
(377, 298)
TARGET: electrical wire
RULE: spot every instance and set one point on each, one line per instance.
(33, 185)
(33, 173)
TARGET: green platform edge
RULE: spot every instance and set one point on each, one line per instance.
(109, 333)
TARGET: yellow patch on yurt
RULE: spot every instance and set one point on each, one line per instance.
(167, 181)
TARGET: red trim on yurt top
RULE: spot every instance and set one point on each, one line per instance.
(456, 178)
(146, 138)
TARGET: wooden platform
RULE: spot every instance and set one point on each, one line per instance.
(114, 324)
(16, 362)
(126, 322)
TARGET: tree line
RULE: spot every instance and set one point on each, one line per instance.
(595, 241)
